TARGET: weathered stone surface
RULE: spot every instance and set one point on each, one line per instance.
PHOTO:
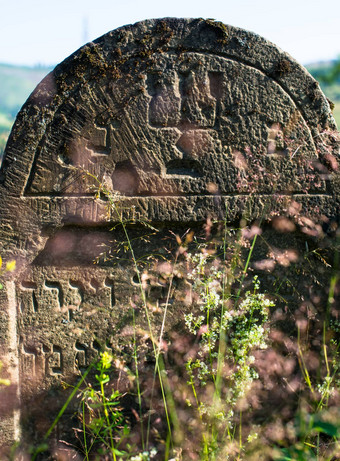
(184, 119)
(163, 108)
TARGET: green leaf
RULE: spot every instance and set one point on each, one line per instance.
(325, 428)
(119, 453)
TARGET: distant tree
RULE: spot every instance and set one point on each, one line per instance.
(330, 74)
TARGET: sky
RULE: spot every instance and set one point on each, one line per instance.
(45, 32)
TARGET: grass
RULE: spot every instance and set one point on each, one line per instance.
(243, 375)
(238, 379)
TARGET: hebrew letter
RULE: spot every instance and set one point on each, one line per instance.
(198, 105)
(30, 287)
(28, 360)
(32, 359)
(56, 360)
(56, 294)
(81, 356)
(164, 109)
(109, 283)
(74, 297)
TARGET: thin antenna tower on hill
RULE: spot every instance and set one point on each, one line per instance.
(85, 35)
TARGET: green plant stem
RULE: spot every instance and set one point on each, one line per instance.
(106, 413)
(84, 433)
(66, 404)
(222, 334)
(139, 394)
(174, 414)
(334, 280)
(244, 272)
(209, 337)
(303, 366)
(240, 431)
(120, 219)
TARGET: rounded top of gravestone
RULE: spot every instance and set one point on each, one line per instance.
(181, 119)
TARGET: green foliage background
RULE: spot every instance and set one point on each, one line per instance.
(16, 84)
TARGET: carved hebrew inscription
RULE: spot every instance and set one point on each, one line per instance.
(40, 359)
(174, 128)
(190, 99)
(181, 125)
(29, 298)
(63, 322)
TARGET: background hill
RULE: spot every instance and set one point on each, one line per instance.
(328, 75)
(17, 82)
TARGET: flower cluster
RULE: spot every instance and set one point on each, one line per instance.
(145, 456)
(229, 329)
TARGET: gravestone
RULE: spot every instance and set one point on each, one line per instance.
(184, 119)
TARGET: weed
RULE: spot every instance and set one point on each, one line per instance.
(228, 329)
(228, 382)
(101, 417)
